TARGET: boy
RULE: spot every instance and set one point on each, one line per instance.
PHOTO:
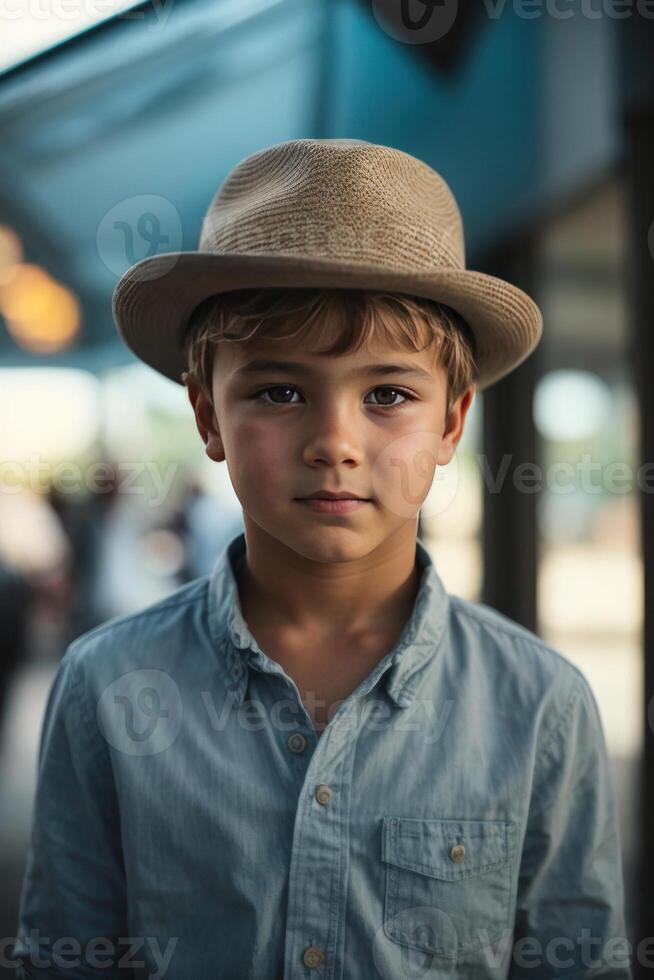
(315, 762)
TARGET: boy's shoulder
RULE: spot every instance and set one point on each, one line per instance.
(149, 637)
(162, 634)
(510, 648)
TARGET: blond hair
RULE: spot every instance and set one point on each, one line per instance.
(346, 317)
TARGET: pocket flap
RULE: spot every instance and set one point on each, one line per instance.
(447, 849)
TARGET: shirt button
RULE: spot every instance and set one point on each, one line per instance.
(296, 742)
(457, 852)
(323, 794)
(313, 957)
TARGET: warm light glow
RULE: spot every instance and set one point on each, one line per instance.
(11, 251)
(42, 315)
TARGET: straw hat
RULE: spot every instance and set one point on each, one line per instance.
(339, 213)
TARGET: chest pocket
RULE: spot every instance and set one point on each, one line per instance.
(448, 882)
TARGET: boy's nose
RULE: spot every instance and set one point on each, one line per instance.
(333, 440)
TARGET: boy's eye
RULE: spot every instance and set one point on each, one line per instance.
(393, 391)
(276, 388)
(284, 389)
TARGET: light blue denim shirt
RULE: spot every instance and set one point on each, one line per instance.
(455, 818)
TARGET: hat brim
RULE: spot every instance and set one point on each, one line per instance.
(154, 299)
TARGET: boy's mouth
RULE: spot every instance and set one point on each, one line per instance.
(332, 505)
(332, 495)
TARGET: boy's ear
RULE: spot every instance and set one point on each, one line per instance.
(206, 419)
(454, 426)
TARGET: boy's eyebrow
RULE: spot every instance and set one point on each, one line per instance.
(264, 366)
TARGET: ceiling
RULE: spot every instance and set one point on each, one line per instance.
(113, 143)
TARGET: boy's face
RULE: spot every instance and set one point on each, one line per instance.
(324, 424)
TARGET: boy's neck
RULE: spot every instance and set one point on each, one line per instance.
(280, 589)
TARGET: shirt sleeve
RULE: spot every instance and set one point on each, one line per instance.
(73, 899)
(570, 903)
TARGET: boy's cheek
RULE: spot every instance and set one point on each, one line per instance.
(255, 445)
(260, 470)
(404, 471)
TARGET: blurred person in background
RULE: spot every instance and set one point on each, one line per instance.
(206, 524)
(16, 597)
(82, 519)
(35, 548)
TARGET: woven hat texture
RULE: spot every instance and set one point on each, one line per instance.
(336, 213)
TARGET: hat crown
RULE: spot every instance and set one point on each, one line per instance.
(342, 199)
(326, 214)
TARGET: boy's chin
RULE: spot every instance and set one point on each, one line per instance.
(331, 543)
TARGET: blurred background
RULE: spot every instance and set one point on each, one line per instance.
(115, 130)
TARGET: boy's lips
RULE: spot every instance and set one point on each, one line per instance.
(320, 505)
(332, 495)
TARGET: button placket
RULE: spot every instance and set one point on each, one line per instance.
(318, 871)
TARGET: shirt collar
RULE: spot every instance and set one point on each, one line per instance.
(402, 666)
